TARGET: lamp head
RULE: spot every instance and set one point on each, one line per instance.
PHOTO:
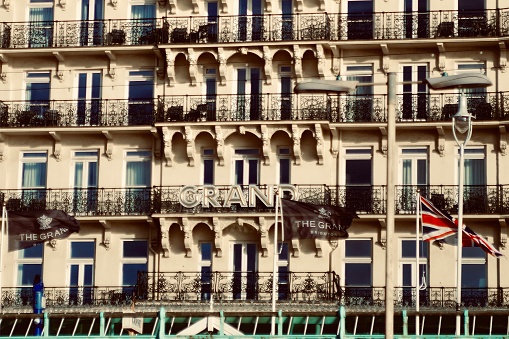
(462, 122)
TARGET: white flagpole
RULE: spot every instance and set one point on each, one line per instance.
(417, 259)
(274, 271)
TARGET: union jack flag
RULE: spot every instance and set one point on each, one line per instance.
(439, 225)
(436, 224)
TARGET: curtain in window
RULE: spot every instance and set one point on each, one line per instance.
(475, 172)
(138, 174)
(41, 31)
(34, 175)
(143, 23)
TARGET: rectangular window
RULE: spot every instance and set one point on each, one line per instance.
(475, 198)
(413, 175)
(358, 179)
(141, 97)
(37, 94)
(40, 17)
(246, 167)
(137, 181)
(89, 98)
(208, 167)
(212, 19)
(30, 261)
(81, 272)
(134, 260)
(474, 275)
(33, 180)
(358, 270)
(285, 75)
(478, 101)
(206, 270)
(408, 271)
(283, 269)
(414, 99)
(360, 19)
(284, 165)
(359, 107)
(85, 181)
(143, 24)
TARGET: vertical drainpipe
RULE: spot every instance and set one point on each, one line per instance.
(342, 322)
(390, 211)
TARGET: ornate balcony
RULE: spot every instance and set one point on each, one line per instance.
(261, 107)
(75, 113)
(250, 289)
(478, 199)
(255, 28)
(487, 199)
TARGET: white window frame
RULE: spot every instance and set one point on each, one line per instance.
(418, 155)
(144, 155)
(85, 159)
(22, 261)
(124, 260)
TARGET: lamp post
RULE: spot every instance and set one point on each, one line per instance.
(462, 131)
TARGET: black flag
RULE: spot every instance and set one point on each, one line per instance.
(27, 229)
(308, 221)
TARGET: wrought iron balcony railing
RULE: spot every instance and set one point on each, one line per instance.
(429, 298)
(304, 288)
(477, 199)
(253, 28)
(261, 107)
(295, 286)
(487, 199)
(69, 113)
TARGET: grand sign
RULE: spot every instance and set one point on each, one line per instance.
(225, 196)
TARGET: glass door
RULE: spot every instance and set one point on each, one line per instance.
(245, 271)
(81, 272)
(89, 98)
(416, 19)
(415, 95)
(414, 175)
(143, 24)
(287, 19)
(250, 20)
(85, 181)
(41, 24)
(92, 24)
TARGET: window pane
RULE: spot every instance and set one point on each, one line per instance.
(208, 172)
(473, 252)
(284, 171)
(358, 274)
(473, 275)
(358, 172)
(130, 273)
(358, 248)
(31, 252)
(206, 251)
(135, 249)
(82, 249)
(27, 272)
(408, 249)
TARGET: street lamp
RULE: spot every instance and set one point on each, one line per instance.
(462, 131)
